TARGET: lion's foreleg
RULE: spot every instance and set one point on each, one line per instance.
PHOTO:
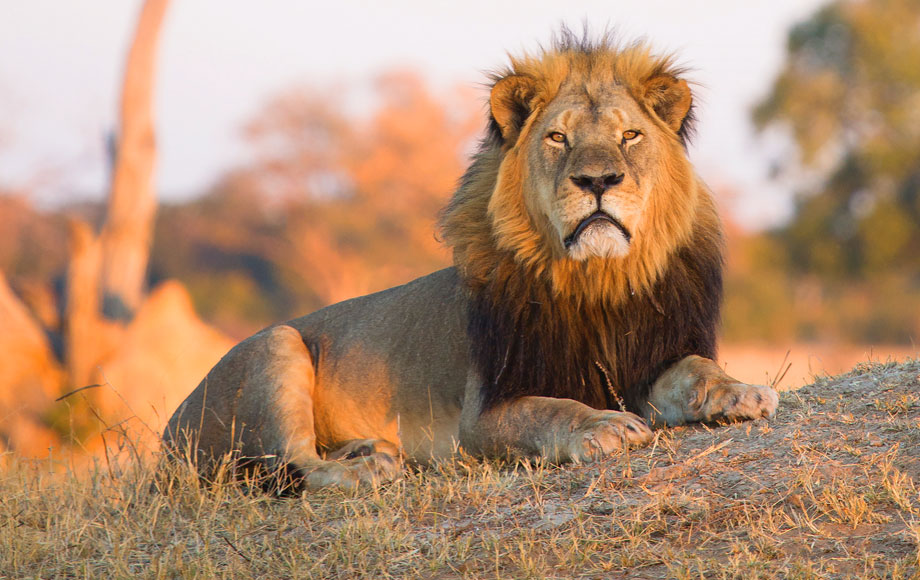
(560, 430)
(697, 389)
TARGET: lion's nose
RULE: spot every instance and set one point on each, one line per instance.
(597, 184)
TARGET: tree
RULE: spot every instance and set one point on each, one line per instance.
(126, 235)
(114, 266)
(361, 197)
(120, 359)
(334, 203)
(849, 95)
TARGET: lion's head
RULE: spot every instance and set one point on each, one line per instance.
(583, 178)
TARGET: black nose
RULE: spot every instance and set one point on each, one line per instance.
(598, 184)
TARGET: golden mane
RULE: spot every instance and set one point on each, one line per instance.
(487, 223)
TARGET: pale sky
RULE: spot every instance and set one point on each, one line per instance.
(61, 61)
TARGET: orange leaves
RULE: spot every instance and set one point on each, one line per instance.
(361, 190)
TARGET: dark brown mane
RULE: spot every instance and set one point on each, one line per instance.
(527, 342)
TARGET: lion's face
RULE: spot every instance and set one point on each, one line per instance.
(588, 154)
(584, 180)
(596, 164)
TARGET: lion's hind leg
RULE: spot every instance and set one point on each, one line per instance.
(255, 409)
(696, 389)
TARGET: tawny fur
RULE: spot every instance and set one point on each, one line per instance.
(486, 222)
(542, 340)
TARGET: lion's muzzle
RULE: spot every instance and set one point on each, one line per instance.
(598, 216)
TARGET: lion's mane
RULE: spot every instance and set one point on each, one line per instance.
(601, 330)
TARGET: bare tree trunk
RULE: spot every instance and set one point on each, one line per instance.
(128, 230)
(82, 323)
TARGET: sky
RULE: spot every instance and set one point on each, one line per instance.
(221, 60)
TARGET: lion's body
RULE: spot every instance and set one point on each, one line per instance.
(383, 371)
(587, 284)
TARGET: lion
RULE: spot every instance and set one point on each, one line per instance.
(581, 310)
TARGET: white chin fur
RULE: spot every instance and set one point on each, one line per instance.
(602, 240)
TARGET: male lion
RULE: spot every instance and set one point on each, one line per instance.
(583, 301)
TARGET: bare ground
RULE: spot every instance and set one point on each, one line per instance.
(826, 489)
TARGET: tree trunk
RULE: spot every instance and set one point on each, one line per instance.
(128, 230)
(83, 340)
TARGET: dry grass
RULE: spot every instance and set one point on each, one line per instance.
(825, 490)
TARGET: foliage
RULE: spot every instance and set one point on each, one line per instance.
(850, 97)
(33, 245)
(850, 94)
(338, 203)
(334, 205)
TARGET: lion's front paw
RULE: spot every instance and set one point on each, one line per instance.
(739, 401)
(605, 433)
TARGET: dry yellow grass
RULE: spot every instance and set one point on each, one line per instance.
(825, 490)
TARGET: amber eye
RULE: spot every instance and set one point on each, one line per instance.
(629, 135)
(557, 137)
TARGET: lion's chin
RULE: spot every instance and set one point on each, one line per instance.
(601, 239)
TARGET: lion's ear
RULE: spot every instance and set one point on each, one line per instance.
(510, 104)
(670, 98)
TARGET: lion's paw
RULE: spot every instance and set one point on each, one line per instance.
(352, 474)
(606, 433)
(739, 401)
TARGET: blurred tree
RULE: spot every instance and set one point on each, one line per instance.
(126, 234)
(849, 94)
(105, 326)
(106, 275)
(758, 301)
(227, 247)
(334, 205)
(367, 220)
(32, 246)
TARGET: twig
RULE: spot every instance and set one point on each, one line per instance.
(235, 549)
(75, 391)
(709, 450)
(781, 373)
(610, 388)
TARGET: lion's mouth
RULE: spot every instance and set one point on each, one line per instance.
(593, 218)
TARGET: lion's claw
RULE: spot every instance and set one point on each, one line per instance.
(740, 401)
(607, 433)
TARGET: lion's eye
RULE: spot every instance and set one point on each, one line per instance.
(556, 137)
(630, 134)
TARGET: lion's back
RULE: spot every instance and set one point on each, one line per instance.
(418, 313)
